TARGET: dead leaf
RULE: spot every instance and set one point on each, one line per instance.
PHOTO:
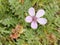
(22, 1)
(51, 38)
(16, 32)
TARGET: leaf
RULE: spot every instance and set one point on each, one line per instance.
(16, 32)
(0, 43)
(2, 30)
(20, 42)
(9, 21)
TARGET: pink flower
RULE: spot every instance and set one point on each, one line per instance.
(33, 19)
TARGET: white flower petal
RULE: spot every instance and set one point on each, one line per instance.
(42, 21)
(40, 13)
(31, 11)
(28, 19)
(34, 25)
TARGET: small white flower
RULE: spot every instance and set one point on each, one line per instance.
(33, 19)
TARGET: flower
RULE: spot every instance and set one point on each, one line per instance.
(33, 19)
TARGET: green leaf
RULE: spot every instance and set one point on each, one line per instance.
(9, 21)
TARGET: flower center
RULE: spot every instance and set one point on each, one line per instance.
(34, 18)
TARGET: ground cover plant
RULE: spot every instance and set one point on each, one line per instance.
(14, 29)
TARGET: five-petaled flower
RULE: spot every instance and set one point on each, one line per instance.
(33, 19)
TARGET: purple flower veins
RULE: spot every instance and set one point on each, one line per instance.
(33, 19)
